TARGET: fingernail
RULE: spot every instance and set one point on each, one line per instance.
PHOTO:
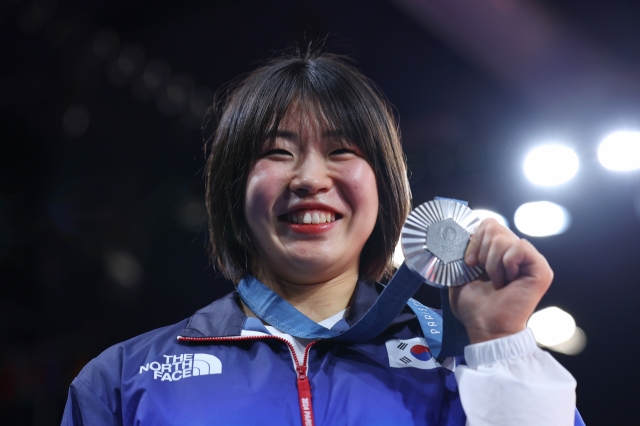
(470, 259)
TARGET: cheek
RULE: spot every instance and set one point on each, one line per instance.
(364, 192)
(370, 192)
(261, 192)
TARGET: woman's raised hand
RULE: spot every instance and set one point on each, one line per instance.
(500, 303)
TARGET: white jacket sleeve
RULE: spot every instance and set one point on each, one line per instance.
(510, 381)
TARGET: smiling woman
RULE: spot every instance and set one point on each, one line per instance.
(307, 172)
(317, 99)
(307, 193)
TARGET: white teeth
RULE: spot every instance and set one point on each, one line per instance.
(311, 217)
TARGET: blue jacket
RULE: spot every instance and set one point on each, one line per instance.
(201, 371)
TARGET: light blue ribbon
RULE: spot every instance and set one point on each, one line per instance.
(274, 310)
(445, 335)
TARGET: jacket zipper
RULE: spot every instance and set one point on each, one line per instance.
(304, 386)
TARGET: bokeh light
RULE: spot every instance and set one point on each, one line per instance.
(75, 120)
(154, 77)
(176, 95)
(123, 268)
(552, 326)
(542, 219)
(193, 214)
(574, 345)
(486, 214)
(620, 151)
(551, 164)
(128, 63)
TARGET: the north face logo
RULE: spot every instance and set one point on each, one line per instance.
(177, 367)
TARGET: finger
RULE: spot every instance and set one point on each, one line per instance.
(471, 254)
(491, 229)
(494, 264)
(523, 260)
(513, 259)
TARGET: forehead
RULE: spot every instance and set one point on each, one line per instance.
(304, 117)
(304, 121)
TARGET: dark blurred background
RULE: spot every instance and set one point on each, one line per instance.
(102, 220)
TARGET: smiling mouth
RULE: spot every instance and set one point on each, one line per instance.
(310, 217)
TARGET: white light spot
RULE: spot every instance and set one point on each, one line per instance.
(398, 256)
(123, 268)
(552, 326)
(550, 165)
(574, 345)
(486, 214)
(542, 219)
(620, 151)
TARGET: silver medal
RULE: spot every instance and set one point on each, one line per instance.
(434, 239)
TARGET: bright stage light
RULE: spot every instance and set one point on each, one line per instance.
(620, 151)
(550, 165)
(542, 219)
(552, 326)
(485, 214)
(574, 345)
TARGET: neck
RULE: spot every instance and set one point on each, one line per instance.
(317, 300)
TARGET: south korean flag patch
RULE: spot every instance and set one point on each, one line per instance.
(413, 353)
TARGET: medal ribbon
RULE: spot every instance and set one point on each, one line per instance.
(274, 310)
(446, 336)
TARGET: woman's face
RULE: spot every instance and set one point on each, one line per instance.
(311, 202)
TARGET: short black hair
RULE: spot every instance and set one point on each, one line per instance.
(251, 111)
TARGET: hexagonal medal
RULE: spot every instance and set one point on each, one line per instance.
(434, 240)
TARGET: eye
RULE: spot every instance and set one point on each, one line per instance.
(277, 152)
(343, 151)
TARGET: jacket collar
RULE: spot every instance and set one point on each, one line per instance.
(224, 317)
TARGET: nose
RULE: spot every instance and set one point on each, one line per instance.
(311, 176)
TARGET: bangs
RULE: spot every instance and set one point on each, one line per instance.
(325, 99)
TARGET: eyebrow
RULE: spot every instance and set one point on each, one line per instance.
(285, 134)
(334, 134)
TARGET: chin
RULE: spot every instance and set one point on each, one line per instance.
(313, 271)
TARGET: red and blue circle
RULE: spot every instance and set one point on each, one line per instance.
(421, 352)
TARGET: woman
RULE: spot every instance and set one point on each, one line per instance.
(306, 195)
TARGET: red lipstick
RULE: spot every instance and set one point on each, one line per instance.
(311, 228)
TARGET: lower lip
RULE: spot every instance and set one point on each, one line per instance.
(311, 228)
